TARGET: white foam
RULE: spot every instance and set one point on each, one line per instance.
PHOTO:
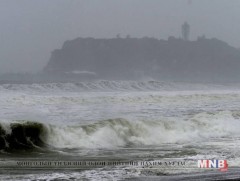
(120, 132)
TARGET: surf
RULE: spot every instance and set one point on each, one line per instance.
(119, 133)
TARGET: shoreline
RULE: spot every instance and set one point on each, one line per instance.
(231, 174)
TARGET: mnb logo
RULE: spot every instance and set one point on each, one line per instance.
(220, 164)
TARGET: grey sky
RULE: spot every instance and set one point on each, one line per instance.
(31, 29)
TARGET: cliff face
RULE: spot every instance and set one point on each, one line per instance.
(126, 58)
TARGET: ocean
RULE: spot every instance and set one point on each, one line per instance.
(118, 130)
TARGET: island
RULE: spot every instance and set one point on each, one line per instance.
(138, 58)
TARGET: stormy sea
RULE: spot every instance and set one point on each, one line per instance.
(118, 130)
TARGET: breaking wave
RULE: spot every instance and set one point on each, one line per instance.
(22, 136)
(115, 133)
(105, 85)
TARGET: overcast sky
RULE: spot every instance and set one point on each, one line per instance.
(31, 29)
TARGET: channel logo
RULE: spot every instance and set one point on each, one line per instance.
(218, 164)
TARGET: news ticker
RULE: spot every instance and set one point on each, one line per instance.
(79, 164)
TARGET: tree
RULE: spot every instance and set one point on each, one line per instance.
(118, 35)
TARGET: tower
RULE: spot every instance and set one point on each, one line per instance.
(185, 31)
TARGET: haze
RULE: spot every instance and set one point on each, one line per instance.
(32, 29)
